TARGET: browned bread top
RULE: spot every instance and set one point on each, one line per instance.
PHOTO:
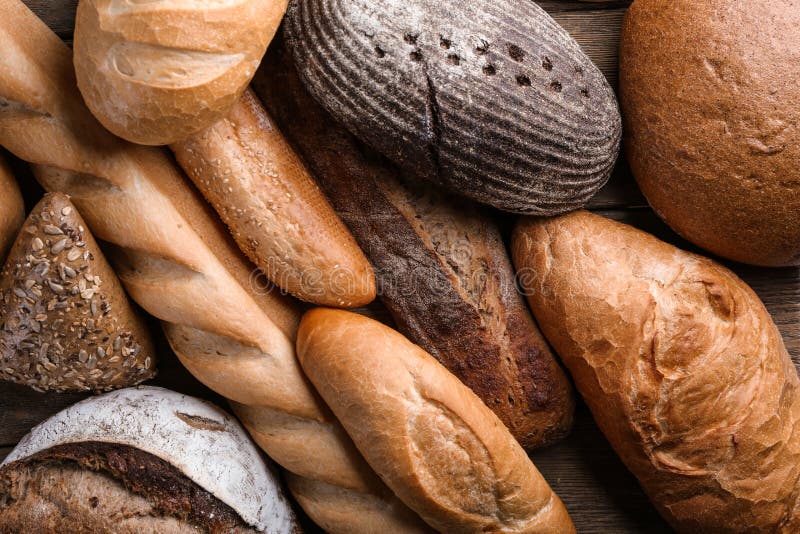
(681, 365)
(433, 442)
(65, 322)
(259, 186)
(492, 99)
(156, 72)
(709, 92)
(12, 209)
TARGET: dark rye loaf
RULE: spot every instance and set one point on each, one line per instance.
(493, 100)
(442, 268)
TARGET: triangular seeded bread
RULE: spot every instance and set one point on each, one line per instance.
(65, 322)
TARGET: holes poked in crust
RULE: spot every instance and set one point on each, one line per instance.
(516, 53)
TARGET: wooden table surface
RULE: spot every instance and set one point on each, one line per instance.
(601, 495)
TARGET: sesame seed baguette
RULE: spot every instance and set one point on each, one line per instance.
(12, 209)
(276, 212)
(177, 262)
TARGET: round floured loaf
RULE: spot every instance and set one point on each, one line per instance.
(155, 72)
(709, 92)
(201, 441)
(493, 100)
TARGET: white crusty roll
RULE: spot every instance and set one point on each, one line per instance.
(12, 209)
(276, 212)
(432, 440)
(141, 459)
(681, 365)
(155, 72)
(177, 262)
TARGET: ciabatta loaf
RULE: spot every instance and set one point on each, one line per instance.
(177, 262)
(443, 452)
(245, 168)
(681, 365)
(156, 72)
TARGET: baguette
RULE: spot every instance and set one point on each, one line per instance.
(277, 214)
(442, 451)
(441, 264)
(681, 366)
(156, 72)
(176, 261)
(12, 209)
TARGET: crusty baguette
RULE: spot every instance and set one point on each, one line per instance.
(432, 440)
(276, 212)
(442, 266)
(681, 365)
(177, 262)
(12, 209)
(156, 72)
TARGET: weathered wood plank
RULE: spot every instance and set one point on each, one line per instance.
(58, 14)
(4, 451)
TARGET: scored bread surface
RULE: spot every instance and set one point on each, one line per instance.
(492, 99)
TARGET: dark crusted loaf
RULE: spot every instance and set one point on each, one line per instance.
(103, 487)
(493, 100)
(442, 268)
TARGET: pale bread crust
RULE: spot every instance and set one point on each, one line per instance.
(174, 258)
(681, 365)
(431, 439)
(156, 72)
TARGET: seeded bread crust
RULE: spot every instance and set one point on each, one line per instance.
(65, 322)
(442, 267)
(170, 492)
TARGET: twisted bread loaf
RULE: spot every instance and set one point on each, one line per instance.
(156, 72)
(178, 264)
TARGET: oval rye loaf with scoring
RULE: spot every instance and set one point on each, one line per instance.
(491, 99)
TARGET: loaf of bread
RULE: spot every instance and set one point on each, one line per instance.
(156, 72)
(277, 214)
(177, 262)
(721, 167)
(493, 100)
(442, 451)
(12, 209)
(141, 460)
(441, 264)
(65, 321)
(681, 365)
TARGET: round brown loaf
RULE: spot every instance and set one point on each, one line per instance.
(493, 100)
(709, 92)
(156, 72)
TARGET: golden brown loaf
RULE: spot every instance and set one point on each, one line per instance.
(277, 214)
(709, 92)
(441, 263)
(156, 72)
(177, 262)
(12, 209)
(442, 451)
(681, 365)
(65, 322)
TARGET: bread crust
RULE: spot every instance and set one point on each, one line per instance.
(12, 209)
(66, 324)
(274, 209)
(441, 450)
(442, 267)
(156, 72)
(681, 365)
(176, 261)
(720, 167)
(492, 100)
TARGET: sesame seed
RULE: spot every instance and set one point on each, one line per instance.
(66, 211)
(49, 229)
(37, 244)
(59, 246)
(74, 254)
